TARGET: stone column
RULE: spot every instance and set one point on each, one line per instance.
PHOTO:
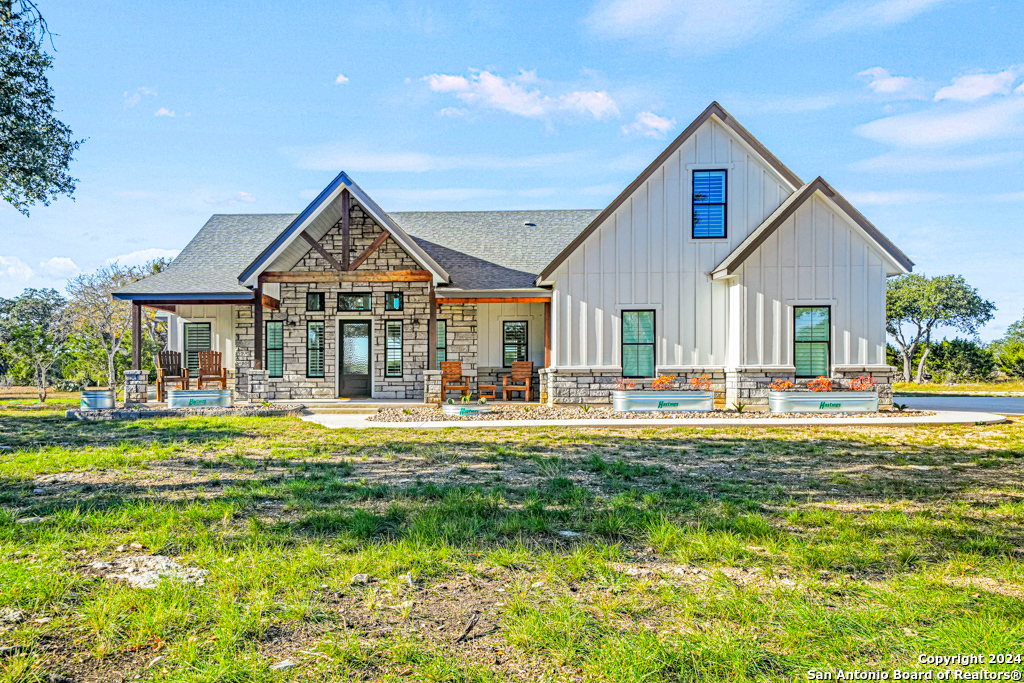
(259, 387)
(135, 387)
(432, 386)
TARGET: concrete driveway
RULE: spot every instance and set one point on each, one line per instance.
(1003, 405)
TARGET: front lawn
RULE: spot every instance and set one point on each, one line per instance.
(1006, 387)
(627, 554)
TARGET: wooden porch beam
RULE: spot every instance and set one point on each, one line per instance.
(270, 302)
(381, 238)
(494, 300)
(323, 252)
(346, 246)
(136, 336)
(169, 308)
(351, 276)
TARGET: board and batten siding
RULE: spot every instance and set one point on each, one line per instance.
(222, 330)
(490, 344)
(643, 256)
(817, 257)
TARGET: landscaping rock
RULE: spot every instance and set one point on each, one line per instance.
(146, 571)
(569, 534)
(282, 665)
(31, 520)
(361, 579)
(9, 615)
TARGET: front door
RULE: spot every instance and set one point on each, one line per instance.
(354, 379)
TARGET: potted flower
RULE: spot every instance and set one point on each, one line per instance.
(820, 395)
(665, 395)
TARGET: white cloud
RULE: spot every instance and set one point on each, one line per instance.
(881, 82)
(341, 79)
(649, 125)
(858, 14)
(888, 197)
(945, 128)
(900, 162)
(233, 199)
(14, 268)
(138, 258)
(132, 99)
(59, 267)
(164, 111)
(693, 25)
(341, 157)
(520, 95)
(973, 87)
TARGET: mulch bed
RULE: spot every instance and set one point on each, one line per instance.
(575, 412)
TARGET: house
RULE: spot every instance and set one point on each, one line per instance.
(717, 260)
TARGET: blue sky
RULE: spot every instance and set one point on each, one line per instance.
(913, 109)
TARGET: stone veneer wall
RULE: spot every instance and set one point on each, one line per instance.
(414, 316)
(587, 385)
(882, 375)
(492, 375)
(749, 385)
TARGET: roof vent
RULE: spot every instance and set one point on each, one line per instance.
(530, 225)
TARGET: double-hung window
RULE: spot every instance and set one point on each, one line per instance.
(315, 348)
(393, 348)
(811, 341)
(513, 337)
(197, 338)
(442, 342)
(709, 190)
(638, 343)
(275, 348)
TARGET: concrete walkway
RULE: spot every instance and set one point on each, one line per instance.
(939, 418)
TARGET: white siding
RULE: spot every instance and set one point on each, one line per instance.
(489, 320)
(222, 331)
(643, 256)
(815, 257)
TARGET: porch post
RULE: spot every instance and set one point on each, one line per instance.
(257, 332)
(547, 334)
(136, 336)
(432, 330)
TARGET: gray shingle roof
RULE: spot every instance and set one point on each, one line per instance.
(493, 249)
(479, 249)
(211, 262)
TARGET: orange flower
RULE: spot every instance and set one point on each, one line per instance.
(820, 384)
(664, 383)
(701, 383)
(781, 385)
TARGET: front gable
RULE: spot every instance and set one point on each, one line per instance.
(364, 234)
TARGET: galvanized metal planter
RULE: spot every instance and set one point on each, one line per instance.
(199, 398)
(662, 401)
(461, 409)
(823, 401)
(97, 399)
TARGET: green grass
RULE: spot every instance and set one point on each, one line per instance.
(603, 555)
(1005, 387)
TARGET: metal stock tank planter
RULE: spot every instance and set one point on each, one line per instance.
(199, 398)
(821, 399)
(465, 409)
(664, 396)
(97, 399)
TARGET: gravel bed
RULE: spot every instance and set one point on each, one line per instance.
(573, 412)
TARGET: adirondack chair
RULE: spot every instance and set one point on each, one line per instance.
(521, 379)
(210, 370)
(452, 378)
(169, 369)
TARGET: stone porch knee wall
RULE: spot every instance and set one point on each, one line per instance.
(492, 375)
(882, 375)
(588, 385)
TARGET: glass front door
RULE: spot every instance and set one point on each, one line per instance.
(354, 378)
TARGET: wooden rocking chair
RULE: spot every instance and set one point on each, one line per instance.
(520, 380)
(169, 369)
(452, 378)
(210, 370)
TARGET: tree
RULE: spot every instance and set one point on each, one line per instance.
(961, 360)
(1010, 358)
(923, 304)
(102, 323)
(35, 332)
(36, 149)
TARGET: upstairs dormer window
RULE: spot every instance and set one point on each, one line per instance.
(709, 204)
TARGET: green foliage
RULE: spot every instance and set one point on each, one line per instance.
(33, 334)
(1010, 358)
(36, 149)
(960, 360)
(916, 305)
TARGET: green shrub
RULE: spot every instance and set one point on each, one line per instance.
(1010, 358)
(960, 360)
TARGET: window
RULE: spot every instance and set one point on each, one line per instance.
(275, 349)
(811, 328)
(393, 348)
(513, 336)
(315, 348)
(442, 342)
(638, 343)
(314, 301)
(708, 204)
(393, 301)
(354, 302)
(197, 338)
